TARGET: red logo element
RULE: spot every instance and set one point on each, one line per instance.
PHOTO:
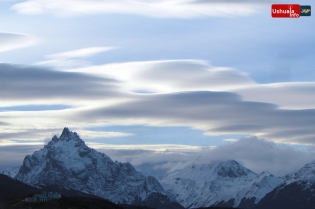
(285, 10)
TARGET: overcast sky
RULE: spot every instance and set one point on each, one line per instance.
(160, 82)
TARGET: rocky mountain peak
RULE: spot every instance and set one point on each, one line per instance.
(232, 169)
(67, 162)
(68, 135)
(66, 132)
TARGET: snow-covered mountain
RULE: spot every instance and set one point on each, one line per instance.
(297, 191)
(306, 173)
(218, 184)
(69, 163)
(11, 171)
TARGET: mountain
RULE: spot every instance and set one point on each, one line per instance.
(11, 188)
(67, 162)
(298, 191)
(222, 184)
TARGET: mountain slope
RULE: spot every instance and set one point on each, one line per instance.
(67, 162)
(11, 188)
(298, 191)
(11, 171)
(224, 184)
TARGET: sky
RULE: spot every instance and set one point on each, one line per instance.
(160, 84)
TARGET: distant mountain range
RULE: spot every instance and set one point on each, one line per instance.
(226, 184)
(67, 164)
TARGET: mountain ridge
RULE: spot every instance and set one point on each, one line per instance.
(67, 162)
(222, 184)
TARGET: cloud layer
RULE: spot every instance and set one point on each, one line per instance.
(257, 154)
(32, 85)
(168, 76)
(153, 8)
(186, 93)
(216, 113)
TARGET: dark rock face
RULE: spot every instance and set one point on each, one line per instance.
(223, 204)
(247, 203)
(292, 196)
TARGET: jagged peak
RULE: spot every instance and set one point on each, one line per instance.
(65, 132)
(265, 173)
(55, 138)
(231, 168)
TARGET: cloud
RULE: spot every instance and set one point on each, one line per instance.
(153, 8)
(189, 93)
(72, 59)
(214, 112)
(84, 134)
(84, 52)
(168, 76)
(148, 147)
(11, 41)
(256, 154)
(35, 85)
(156, 158)
(288, 95)
(25, 135)
(260, 155)
(11, 156)
(30, 136)
(230, 140)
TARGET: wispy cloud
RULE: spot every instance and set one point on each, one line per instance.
(153, 8)
(11, 41)
(72, 59)
(79, 53)
(166, 76)
(85, 134)
(151, 147)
